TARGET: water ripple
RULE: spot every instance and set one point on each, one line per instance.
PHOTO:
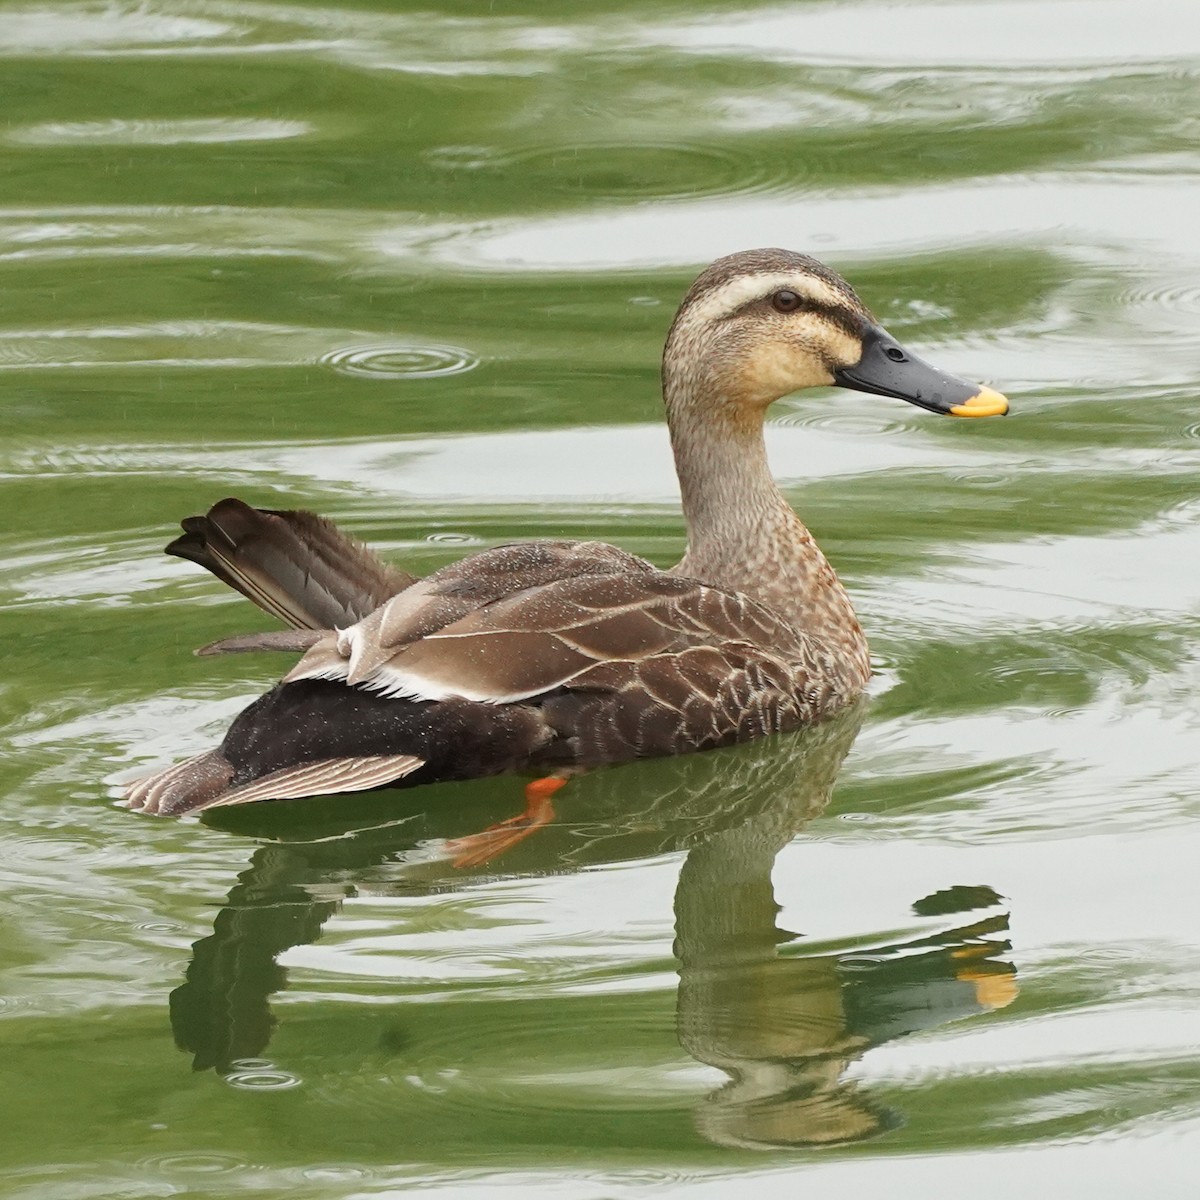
(661, 170)
(259, 1075)
(400, 361)
(449, 538)
(191, 1163)
(498, 1065)
(1175, 297)
(863, 422)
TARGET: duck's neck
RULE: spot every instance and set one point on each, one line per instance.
(743, 534)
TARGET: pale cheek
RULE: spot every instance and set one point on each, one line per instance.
(781, 370)
(843, 349)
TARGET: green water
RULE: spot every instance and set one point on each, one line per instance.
(411, 265)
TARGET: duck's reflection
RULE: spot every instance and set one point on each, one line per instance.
(783, 1026)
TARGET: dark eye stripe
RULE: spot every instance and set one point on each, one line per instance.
(846, 319)
(843, 316)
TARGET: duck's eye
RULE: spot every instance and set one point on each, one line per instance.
(786, 301)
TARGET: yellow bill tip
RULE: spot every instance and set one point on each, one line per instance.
(986, 402)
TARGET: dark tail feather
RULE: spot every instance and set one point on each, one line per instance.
(206, 781)
(295, 565)
(187, 785)
(320, 737)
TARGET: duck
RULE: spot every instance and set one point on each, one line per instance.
(547, 658)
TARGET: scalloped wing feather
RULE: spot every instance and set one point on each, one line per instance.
(697, 699)
(544, 638)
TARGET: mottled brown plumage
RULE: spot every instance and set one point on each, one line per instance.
(554, 656)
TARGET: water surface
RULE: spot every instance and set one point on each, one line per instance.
(412, 266)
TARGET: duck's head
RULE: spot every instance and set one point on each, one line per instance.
(762, 323)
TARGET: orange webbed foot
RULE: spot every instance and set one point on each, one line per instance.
(481, 848)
